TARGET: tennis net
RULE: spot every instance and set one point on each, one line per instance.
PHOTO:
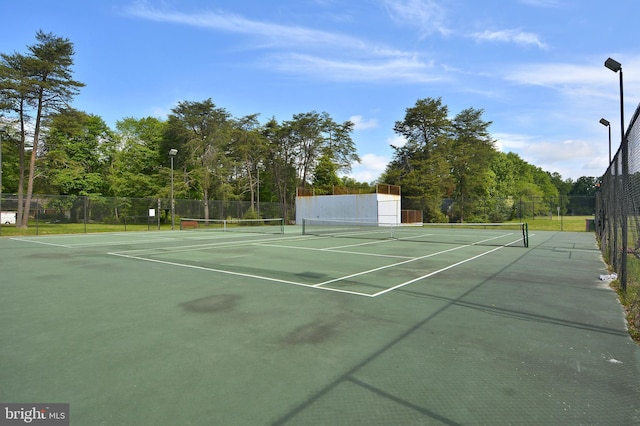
(493, 234)
(261, 226)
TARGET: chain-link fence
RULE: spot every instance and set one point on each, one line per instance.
(618, 204)
(152, 213)
(498, 210)
(122, 212)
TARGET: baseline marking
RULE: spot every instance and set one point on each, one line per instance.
(41, 242)
(439, 270)
(222, 271)
(332, 250)
(415, 259)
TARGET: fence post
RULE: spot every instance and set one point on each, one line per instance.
(37, 214)
(625, 212)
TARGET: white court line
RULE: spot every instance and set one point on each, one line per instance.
(192, 247)
(40, 242)
(332, 250)
(98, 244)
(387, 266)
(319, 286)
(409, 261)
(360, 244)
(222, 271)
(440, 270)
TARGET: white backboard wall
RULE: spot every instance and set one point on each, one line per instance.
(389, 209)
(381, 208)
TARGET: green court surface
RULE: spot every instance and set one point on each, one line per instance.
(224, 328)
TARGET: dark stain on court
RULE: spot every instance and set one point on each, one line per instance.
(212, 304)
(312, 333)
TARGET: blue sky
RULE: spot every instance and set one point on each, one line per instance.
(534, 66)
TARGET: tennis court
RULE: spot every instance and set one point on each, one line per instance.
(444, 326)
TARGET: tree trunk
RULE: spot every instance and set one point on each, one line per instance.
(32, 165)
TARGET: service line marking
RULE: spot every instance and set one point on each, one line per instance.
(239, 274)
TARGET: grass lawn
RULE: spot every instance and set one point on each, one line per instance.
(566, 223)
(42, 228)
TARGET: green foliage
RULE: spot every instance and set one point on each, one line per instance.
(77, 148)
(31, 87)
(325, 173)
(227, 158)
(134, 170)
(200, 132)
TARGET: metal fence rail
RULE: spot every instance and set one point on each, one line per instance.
(153, 212)
(618, 204)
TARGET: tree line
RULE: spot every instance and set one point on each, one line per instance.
(51, 148)
(456, 158)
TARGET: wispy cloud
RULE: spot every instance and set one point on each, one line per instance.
(361, 123)
(229, 22)
(370, 168)
(397, 70)
(397, 141)
(509, 36)
(426, 15)
(541, 3)
(296, 49)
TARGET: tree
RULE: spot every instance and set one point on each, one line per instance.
(420, 166)
(76, 151)
(340, 148)
(317, 135)
(248, 152)
(282, 151)
(201, 133)
(40, 83)
(585, 185)
(470, 155)
(325, 174)
(135, 169)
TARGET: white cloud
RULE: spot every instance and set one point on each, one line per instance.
(409, 70)
(326, 54)
(397, 141)
(427, 15)
(370, 168)
(360, 123)
(505, 142)
(510, 36)
(571, 158)
(540, 3)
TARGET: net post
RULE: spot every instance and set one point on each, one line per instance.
(525, 234)
(304, 222)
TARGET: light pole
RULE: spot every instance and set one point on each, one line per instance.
(615, 66)
(172, 153)
(608, 125)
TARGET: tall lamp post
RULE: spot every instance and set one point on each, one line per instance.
(172, 153)
(608, 125)
(615, 66)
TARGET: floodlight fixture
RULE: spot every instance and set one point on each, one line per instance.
(613, 65)
(606, 123)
